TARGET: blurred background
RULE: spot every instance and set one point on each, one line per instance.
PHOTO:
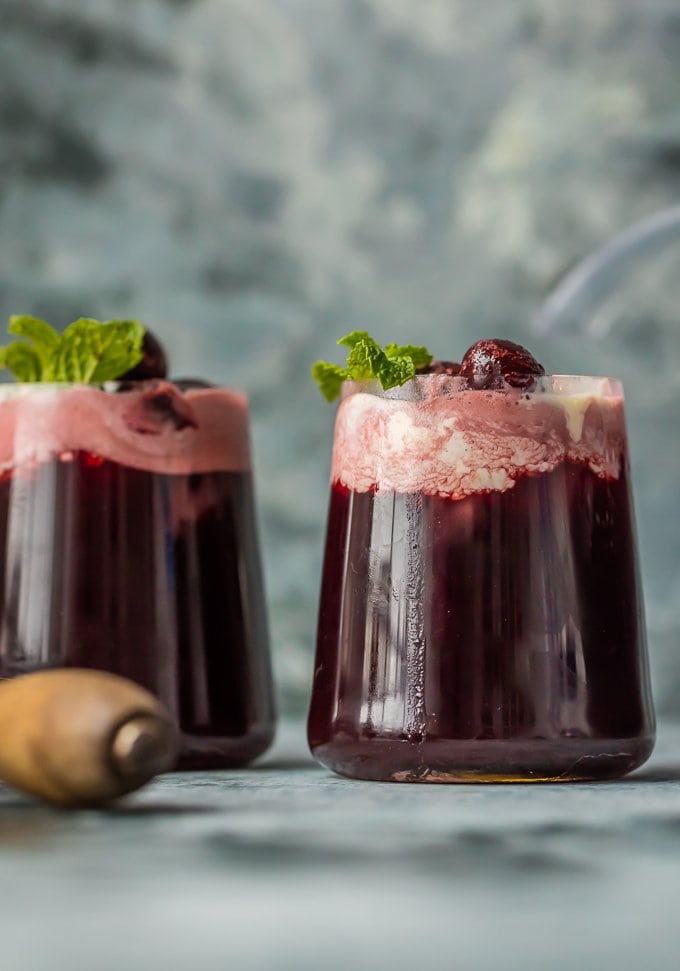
(253, 178)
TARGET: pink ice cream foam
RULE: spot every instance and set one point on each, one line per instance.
(154, 427)
(443, 439)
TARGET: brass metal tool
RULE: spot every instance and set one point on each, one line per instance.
(79, 738)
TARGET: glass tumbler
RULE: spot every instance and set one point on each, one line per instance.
(481, 617)
(128, 544)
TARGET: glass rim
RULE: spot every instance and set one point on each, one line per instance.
(446, 385)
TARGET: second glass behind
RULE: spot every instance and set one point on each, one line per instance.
(128, 544)
(481, 616)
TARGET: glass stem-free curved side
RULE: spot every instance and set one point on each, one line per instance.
(516, 650)
(150, 575)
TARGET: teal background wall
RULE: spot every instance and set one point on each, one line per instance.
(253, 177)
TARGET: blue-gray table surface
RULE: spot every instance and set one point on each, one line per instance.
(284, 866)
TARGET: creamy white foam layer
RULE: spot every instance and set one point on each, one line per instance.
(156, 428)
(444, 439)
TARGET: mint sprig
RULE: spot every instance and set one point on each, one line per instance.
(393, 365)
(88, 352)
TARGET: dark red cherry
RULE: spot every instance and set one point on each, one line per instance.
(489, 363)
(154, 364)
(440, 367)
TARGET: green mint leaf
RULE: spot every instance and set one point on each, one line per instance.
(365, 360)
(42, 335)
(329, 377)
(392, 365)
(30, 361)
(354, 337)
(420, 356)
(88, 351)
(121, 343)
(396, 372)
(23, 361)
(77, 355)
(93, 352)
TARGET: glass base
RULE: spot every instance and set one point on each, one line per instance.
(210, 752)
(486, 760)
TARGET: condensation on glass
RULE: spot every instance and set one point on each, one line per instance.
(481, 629)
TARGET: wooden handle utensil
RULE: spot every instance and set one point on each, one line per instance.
(81, 738)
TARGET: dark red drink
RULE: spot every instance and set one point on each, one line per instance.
(487, 626)
(149, 567)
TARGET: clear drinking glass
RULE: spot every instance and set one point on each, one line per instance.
(481, 616)
(128, 544)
